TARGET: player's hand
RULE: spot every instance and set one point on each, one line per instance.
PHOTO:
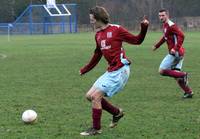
(80, 72)
(154, 48)
(173, 51)
(145, 20)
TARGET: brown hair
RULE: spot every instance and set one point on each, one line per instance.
(164, 10)
(100, 14)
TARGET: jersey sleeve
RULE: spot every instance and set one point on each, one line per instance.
(178, 37)
(93, 61)
(133, 39)
(162, 40)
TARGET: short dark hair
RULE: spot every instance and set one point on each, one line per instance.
(100, 14)
(164, 10)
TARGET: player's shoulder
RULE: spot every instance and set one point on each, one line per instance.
(116, 27)
(173, 25)
(170, 23)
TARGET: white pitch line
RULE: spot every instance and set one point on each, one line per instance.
(3, 56)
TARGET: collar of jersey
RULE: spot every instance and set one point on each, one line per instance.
(102, 28)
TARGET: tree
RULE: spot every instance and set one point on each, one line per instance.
(121, 11)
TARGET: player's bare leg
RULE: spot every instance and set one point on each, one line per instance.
(117, 113)
(95, 96)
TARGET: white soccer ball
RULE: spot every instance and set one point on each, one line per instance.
(29, 116)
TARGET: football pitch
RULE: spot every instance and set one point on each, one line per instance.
(42, 73)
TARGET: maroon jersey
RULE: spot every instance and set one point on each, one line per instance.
(109, 44)
(174, 37)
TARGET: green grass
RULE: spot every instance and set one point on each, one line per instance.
(42, 73)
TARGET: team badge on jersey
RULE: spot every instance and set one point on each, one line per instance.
(104, 46)
(109, 34)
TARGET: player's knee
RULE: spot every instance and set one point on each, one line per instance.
(91, 97)
(88, 97)
(179, 80)
(96, 101)
(96, 97)
(161, 71)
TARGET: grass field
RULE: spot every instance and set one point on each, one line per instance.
(42, 73)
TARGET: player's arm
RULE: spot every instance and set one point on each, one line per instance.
(135, 39)
(157, 45)
(93, 62)
(178, 38)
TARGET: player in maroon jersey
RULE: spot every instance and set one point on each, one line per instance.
(172, 63)
(109, 40)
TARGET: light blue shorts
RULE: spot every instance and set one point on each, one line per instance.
(171, 62)
(111, 83)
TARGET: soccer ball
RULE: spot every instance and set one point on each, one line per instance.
(29, 116)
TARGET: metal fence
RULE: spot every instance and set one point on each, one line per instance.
(36, 20)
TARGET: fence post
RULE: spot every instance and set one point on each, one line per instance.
(30, 20)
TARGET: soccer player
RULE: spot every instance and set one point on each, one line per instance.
(109, 38)
(172, 63)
